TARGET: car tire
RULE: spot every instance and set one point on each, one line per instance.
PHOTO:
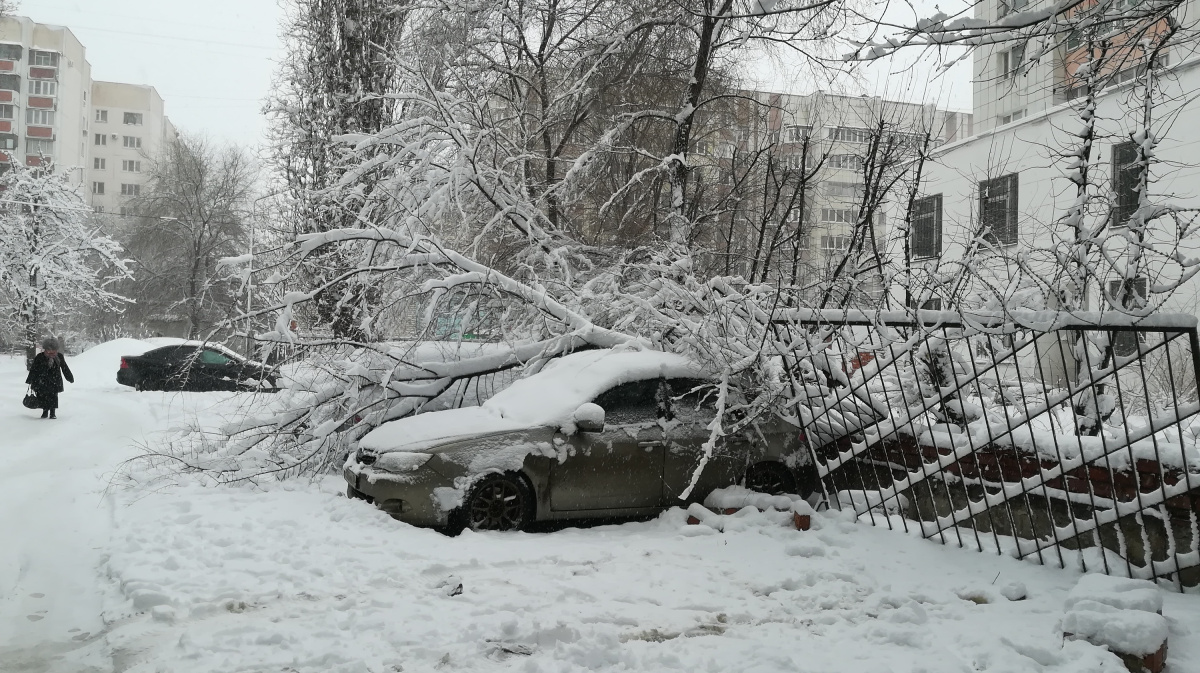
(498, 502)
(772, 478)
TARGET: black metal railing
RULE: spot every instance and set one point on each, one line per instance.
(1072, 439)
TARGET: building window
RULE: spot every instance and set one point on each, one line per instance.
(835, 243)
(10, 82)
(1127, 294)
(130, 190)
(10, 52)
(849, 190)
(794, 161)
(39, 117)
(47, 59)
(1009, 118)
(927, 227)
(101, 115)
(132, 141)
(839, 215)
(8, 141)
(97, 187)
(1009, 6)
(132, 118)
(131, 166)
(932, 304)
(7, 111)
(38, 146)
(848, 161)
(98, 209)
(998, 209)
(99, 163)
(1011, 61)
(797, 134)
(101, 139)
(845, 134)
(43, 87)
(1126, 174)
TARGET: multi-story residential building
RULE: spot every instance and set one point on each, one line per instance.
(128, 128)
(1009, 185)
(837, 138)
(45, 82)
(52, 110)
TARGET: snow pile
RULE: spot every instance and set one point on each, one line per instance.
(1121, 614)
(738, 497)
(99, 364)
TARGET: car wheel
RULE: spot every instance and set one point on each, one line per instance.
(498, 502)
(770, 478)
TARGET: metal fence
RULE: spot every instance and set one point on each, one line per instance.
(1070, 439)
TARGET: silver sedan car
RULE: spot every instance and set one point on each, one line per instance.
(597, 434)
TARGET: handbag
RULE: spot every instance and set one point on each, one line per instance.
(30, 400)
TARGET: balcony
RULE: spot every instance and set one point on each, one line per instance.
(5, 126)
(42, 72)
(41, 102)
(7, 96)
(8, 66)
(39, 132)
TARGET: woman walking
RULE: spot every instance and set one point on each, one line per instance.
(46, 376)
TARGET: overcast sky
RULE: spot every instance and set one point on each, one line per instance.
(213, 60)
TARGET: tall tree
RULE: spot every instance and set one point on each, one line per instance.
(52, 255)
(194, 213)
(333, 82)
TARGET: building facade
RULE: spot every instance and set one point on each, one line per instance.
(829, 162)
(51, 110)
(128, 127)
(45, 86)
(1007, 191)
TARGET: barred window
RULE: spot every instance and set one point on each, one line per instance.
(1125, 177)
(998, 209)
(927, 227)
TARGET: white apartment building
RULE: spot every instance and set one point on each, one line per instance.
(839, 130)
(50, 108)
(1009, 183)
(128, 127)
(45, 82)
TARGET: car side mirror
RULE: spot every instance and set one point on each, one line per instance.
(589, 417)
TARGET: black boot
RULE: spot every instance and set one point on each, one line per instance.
(45, 413)
(52, 414)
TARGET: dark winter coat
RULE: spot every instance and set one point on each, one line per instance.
(46, 377)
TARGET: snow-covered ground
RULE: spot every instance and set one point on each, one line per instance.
(295, 577)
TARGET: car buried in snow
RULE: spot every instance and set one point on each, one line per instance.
(603, 433)
(195, 366)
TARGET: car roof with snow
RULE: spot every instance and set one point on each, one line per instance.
(547, 398)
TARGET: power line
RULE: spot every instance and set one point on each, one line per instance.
(174, 38)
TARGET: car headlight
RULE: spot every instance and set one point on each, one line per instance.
(402, 461)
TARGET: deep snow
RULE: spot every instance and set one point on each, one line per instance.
(295, 577)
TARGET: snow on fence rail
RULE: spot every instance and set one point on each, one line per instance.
(1072, 439)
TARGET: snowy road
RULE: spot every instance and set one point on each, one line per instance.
(295, 577)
